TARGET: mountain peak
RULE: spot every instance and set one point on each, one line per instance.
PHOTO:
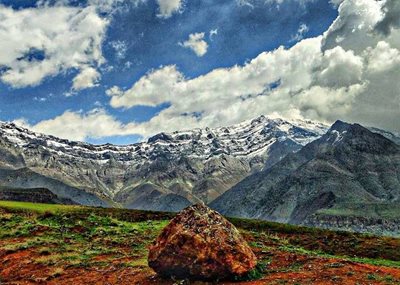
(340, 126)
(359, 138)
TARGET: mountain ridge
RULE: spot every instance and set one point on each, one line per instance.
(347, 164)
(167, 172)
(196, 165)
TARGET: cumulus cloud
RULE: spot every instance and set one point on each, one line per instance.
(230, 95)
(44, 41)
(196, 43)
(391, 19)
(382, 58)
(353, 28)
(80, 126)
(168, 7)
(340, 68)
(87, 78)
(153, 89)
(351, 73)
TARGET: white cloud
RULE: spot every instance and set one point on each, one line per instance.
(226, 96)
(250, 4)
(87, 78)
(80, 126)
(391, 18)
(340, 68)
(336, 3)
(383, 57)
(213, 32)
(103, 6)
(353, 28)
(153, 89)
(169, 7)
(303, 29)
(65, 37)
(247, 3)
(120, 48)
(196, 43)
(352, 72)
(114, 91)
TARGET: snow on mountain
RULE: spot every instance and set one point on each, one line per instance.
(167, 172)
(247, 139)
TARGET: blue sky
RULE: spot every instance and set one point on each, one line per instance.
(136, 40)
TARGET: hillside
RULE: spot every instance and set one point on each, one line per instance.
(171, 169)
(52, 244)
(34, 195)
(25, 178)
(348, 165)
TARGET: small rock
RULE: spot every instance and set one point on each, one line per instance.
(201, 244)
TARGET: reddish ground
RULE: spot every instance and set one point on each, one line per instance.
(284, 268)
(286, 263)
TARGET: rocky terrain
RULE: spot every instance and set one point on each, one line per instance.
(58, 244)
(35, 195)
(167, 172)
(388, 226)
(25, 178)
(346, 166)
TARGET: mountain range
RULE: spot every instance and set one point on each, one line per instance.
(348, 167)
(167, 172)
(293, 171)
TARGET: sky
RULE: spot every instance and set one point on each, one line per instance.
(119, 71)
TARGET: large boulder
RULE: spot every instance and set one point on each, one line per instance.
(201, 244)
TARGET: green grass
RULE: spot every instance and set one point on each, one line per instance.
(37, 207)
(63, 237)
(74, 236)
(371, 261)
(374, 210)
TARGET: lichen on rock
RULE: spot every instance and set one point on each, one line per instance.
(201, 244)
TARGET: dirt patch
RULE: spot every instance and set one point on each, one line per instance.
(283, 268)
(104, 246)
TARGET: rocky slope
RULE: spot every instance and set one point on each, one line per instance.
(347, 165)
(167, 172)
(25, 178)
(34, 195)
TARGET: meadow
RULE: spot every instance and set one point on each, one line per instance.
(56, 244)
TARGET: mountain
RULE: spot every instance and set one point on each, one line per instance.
(395, 137)
(25, 178)
(167, 172)
(348, 167)
(34, 195)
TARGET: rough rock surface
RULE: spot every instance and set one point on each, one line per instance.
(348, 168)
(34, 195)
(196, 165)
(201, 244)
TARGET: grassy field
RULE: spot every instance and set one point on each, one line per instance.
(54, 244)
(37, 207)
(377, 210)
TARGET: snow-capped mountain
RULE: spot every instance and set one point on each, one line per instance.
(349, 167)
(180, 167)
(247, 139)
